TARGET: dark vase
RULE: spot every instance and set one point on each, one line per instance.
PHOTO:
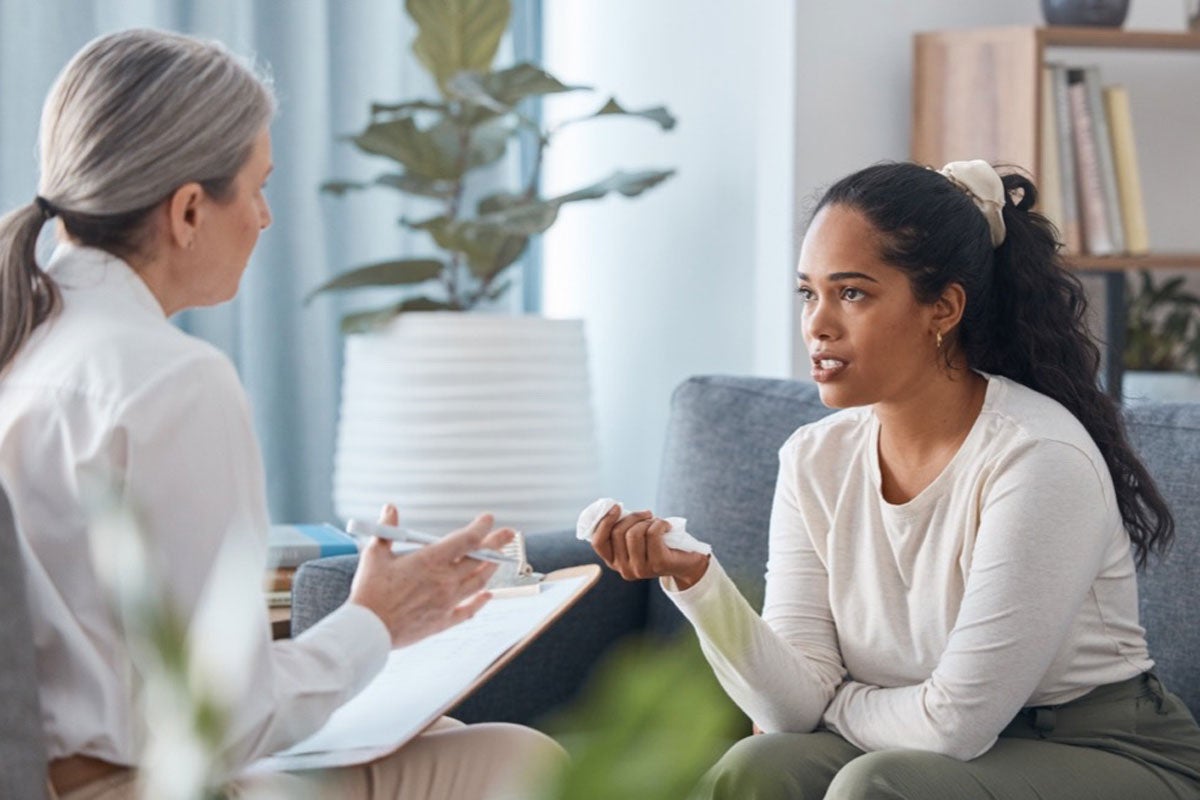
(1107, 13)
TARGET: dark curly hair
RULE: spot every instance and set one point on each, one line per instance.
(1025, 316)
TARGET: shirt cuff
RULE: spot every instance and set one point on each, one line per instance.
(359, 639)
(695, 595)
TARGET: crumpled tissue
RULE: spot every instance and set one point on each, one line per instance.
(677, 538)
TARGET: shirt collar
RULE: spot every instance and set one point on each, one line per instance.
(89, 268)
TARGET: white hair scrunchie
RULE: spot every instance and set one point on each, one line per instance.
(983, 185)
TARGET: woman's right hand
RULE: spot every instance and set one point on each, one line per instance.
(633, 546)
(420, 593)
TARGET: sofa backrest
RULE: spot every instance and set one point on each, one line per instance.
(1167, 438)
(719, 468)
(22, 752)
(719, 465)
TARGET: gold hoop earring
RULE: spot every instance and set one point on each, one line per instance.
(939, 340)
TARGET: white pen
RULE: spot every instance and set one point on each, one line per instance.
(362, 528)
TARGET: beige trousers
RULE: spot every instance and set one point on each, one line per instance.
(489, 761)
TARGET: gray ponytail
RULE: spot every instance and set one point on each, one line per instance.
(133, 116)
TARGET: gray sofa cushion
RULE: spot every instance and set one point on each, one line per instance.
(1167, 437)
(22, 753)
(719, 466)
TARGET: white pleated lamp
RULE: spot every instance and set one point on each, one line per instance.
(448, 414)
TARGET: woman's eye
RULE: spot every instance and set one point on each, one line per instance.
(806, 294)
(850, 293)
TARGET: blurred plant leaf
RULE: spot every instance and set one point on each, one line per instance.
(364, 321)
(503, 89)
(457, 35)
(407, 107)
(388, 273)
(413, 184)
(441, 152)
(1162, 329)
(657, 114)
(487, 248)
(649, 725)
(518, 215)
(630, 184)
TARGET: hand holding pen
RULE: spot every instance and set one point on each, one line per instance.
(360, 528)
(430, 589)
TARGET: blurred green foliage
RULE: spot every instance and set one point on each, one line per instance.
(648, 726)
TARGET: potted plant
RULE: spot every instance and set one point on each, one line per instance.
(442, 412)
(1162, 341)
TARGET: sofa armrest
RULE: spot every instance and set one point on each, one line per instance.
(553, 669)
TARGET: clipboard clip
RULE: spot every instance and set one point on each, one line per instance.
(516, 578)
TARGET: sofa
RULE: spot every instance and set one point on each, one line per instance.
(718, 470)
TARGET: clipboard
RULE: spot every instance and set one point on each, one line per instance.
(444, 692)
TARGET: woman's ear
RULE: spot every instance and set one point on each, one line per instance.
(948, 309)
(183, 215)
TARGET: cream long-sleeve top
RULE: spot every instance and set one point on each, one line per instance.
(1007, 582)
(109, 391)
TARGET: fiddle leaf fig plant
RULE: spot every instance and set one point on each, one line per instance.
(1162, 331)
(437, 145)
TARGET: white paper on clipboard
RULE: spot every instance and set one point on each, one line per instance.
(420, 682)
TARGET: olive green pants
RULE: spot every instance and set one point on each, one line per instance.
(1126, 741)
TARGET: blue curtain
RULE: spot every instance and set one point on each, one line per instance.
(329, 59)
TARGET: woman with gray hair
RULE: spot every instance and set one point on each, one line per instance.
(154, 154)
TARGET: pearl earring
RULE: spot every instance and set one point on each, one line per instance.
(939, 340)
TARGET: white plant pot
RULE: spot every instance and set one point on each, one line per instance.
(1162, 387)
(449, 414)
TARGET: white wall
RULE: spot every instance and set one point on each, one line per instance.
(693, 277)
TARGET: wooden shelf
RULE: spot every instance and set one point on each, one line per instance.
(1150, 261)
(1055, 36)
(977, 91)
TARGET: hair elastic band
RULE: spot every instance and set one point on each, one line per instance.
(979, 181)
(48, 209)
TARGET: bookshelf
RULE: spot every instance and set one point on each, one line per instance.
(977, 94)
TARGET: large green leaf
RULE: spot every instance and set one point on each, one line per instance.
(417, 184)
(387, 273)
(503, 89)
(657, 114)
(458, 35)
(425, 153)
(524, 219)
(630, 184)
(437, 152)
(487, 248)
(515, 214)
(369, 320)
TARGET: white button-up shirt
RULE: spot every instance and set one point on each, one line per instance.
(109, 391)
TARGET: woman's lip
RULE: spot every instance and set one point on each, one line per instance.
(822, 374)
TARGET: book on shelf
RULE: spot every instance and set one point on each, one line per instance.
(1125, 163)
(1108, 177)
(292, 545)
(279, 599)
(1050, 194)
(1097, 238)
(1064, 137)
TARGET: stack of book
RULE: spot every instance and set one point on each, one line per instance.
(1090, 186)
(289, 546)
